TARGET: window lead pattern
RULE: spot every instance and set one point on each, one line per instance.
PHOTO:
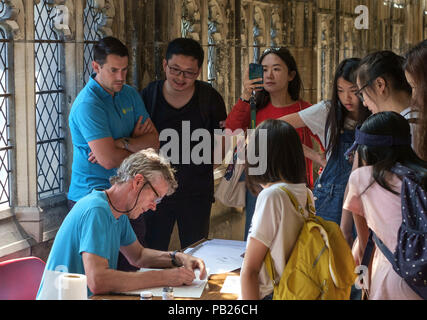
(49, 102)
(6, 148)
(92, 17)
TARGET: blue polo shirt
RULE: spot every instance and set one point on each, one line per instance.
(96, 114)
(89, 227)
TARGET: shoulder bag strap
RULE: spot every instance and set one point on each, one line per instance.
(385, 251)
(373, 238)
(305, 136)
(252, 103)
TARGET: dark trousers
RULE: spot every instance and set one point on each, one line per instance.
(192, 216)
(154, 228)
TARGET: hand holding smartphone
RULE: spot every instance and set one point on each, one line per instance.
(256, 71)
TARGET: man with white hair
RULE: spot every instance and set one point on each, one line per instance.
(98, 227)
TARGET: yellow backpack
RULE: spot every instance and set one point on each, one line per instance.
(321, 266)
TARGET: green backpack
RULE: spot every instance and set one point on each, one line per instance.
(321, 265)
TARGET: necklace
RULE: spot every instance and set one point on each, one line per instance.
(120, 211)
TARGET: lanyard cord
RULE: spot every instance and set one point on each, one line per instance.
(127, 211)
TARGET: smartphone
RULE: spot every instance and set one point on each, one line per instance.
(256, 71)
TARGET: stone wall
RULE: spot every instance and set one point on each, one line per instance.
(234, 33)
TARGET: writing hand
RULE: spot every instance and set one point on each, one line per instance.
(193, 263)
(179, 276)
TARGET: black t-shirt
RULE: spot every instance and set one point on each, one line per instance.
(193, 179)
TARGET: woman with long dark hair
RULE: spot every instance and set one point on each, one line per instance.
(334, 122)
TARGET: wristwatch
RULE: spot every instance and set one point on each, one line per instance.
(175, 262)
(125, 142)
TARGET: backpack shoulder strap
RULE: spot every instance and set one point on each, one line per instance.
(373, 238)
(155, 91)
(404, 172)
(151, 97)
(205, 91)
(385, 251)
(297, 206)
(268, 260)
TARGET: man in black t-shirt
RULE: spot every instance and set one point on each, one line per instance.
(181, 105)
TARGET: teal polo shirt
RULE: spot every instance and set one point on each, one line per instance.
(89, 227)
(96, 114)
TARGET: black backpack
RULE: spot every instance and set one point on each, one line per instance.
(409, 259)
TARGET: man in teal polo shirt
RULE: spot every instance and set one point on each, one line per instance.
(98, 227)
(108, 122)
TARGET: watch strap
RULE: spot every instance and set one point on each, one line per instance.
(175, 262)
(126, 144)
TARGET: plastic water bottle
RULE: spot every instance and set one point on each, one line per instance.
(167, 293)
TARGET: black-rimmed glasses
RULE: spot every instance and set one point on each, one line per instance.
(158, 199)
(177, 72)
(359, 93)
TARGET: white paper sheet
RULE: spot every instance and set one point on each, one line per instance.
(220, 256)
(231, 285)
(194, 290)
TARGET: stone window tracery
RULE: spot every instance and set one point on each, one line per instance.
(6, 147)
(92, 17)
(49, 75)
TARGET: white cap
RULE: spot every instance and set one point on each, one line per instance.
(146, 294)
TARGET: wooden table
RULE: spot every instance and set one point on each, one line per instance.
(211, 291)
